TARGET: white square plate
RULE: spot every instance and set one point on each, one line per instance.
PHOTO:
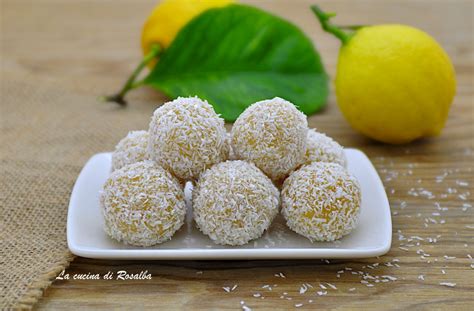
(86, 237)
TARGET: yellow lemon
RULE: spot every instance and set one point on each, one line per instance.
(394, 83)
(169, 16)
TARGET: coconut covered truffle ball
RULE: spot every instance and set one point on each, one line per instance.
(321, 148)
(187, 137)
(272, 135)
(131, 149)
(321, 201)
(234, 202)
(142, 204)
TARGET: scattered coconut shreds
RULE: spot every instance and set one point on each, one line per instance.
(257, 295)
(449, 257)
(298, 305)
(352, 289)
(462, 183)
(199, 272)
(229, 289)
(245, 308)
(322, 286)
(448, 284)
(389, 277)
(421, 277)
(332, 286)
(322, 293)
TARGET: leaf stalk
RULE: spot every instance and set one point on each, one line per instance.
(130, 84)
(324, 18)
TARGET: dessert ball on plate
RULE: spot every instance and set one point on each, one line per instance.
(272, 135)
(142, 204)
(234, 202)
(131, 149)
(321, 201)
(321, 148)
(187, 137)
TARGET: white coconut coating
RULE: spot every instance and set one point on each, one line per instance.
(321, 148)
(234, 202)
(187, 137)
(272, 135)
(142, 204)
(321, 201)
(131, 149)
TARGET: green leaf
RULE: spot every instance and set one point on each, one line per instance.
(237, 55)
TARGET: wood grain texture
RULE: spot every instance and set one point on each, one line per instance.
(91, 46)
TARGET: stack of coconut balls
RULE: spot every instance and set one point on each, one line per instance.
(237, 177)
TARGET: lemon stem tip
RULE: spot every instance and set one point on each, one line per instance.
(324, 19)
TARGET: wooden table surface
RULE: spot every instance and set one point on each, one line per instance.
(429, 182)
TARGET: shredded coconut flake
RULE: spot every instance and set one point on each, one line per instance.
(448, 284)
